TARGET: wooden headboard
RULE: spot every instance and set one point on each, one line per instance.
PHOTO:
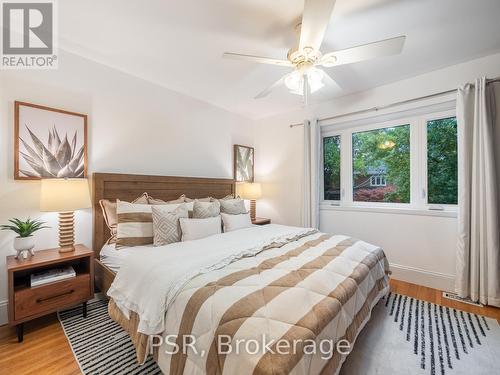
(127, 187)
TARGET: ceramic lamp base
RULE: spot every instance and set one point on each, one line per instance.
(66, 232)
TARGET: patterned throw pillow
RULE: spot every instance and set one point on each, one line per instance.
(109, 212)
(135, 224)
(202, 210)
(233, 206)
(166, 227)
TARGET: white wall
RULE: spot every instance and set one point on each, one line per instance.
(134, 127)
(421, 249)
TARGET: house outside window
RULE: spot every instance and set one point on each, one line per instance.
(377, 180)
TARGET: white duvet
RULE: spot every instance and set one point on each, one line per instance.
(150, 279)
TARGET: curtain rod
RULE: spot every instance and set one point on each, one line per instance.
(375, 109)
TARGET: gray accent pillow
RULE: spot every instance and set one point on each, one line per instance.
(166, 227)
(233, 206)
(203, 210)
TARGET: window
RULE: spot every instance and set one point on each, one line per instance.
(401, 160)
(442, 174)
(381, 165)
(331, 168)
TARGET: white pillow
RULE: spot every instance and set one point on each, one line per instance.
(194, 229)
(235, 222)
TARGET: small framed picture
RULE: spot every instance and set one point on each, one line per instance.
(49, 143)
(243, 163)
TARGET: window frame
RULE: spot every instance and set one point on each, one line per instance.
(322, 174)
(418, 163)
(423, 161)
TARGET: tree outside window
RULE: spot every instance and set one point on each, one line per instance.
(331, 168)
(442, 172)
(383, 153)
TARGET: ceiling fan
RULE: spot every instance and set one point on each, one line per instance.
(306, 58)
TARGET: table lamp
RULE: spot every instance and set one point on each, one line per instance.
(65, 196)
(251, 191)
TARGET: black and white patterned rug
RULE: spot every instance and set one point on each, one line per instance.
(403, 336)
(409, 336)
(99, 344)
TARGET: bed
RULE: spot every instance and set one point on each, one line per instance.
(264, 300)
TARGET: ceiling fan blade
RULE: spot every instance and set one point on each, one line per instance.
(315, 19)
(330, 82)
(267, 91)
(257, 59)
(387, 47)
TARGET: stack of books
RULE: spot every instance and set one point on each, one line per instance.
(52, 275)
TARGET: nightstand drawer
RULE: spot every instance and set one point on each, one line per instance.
(50, 297)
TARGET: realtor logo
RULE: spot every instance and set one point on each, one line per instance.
(28, 35)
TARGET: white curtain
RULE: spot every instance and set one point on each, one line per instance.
(312, 173)
(478, 257)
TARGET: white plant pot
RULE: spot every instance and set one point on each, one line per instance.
(24, 245)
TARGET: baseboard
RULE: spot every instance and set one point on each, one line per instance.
(4, 312)
(431, 279)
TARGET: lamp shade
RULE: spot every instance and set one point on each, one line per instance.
(250, 191)
(62, 195)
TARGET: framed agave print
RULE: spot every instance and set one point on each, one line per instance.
(243, 163)
(49, 143)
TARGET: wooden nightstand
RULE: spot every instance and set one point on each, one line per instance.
(261, 221)
(27, 303)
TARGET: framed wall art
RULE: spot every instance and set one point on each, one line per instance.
(243, 163)
(49, 143)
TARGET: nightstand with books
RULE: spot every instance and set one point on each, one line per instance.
(48, 282)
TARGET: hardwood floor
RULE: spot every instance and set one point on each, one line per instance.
(46, 351)
(436, 296)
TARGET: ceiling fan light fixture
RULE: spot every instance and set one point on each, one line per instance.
(315, 79)
(295, 80)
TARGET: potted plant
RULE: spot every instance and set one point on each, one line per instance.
(24, 242)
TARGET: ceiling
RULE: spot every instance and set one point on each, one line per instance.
(179, 44)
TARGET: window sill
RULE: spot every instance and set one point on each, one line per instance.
(389, 210)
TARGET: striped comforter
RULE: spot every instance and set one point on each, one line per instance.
(315, 290)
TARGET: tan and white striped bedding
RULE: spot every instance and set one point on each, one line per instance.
(317, 287)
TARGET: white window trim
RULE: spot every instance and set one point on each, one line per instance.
(417, 119)
(423, 161)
